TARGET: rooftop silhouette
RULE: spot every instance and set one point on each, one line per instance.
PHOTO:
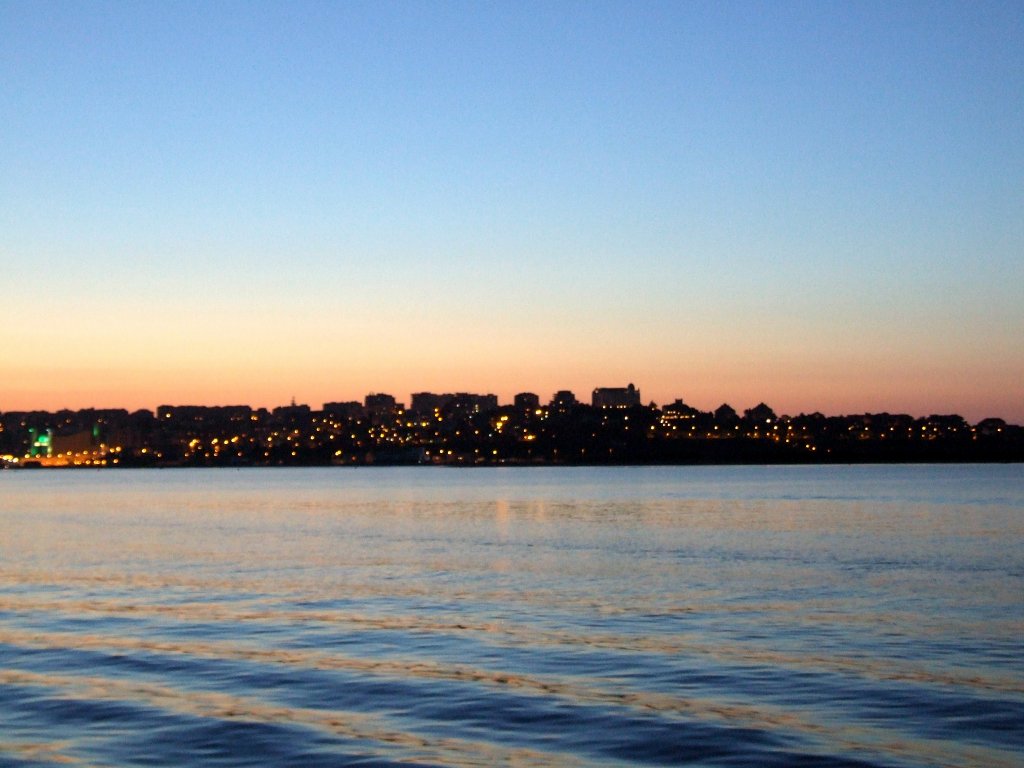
(474, 429)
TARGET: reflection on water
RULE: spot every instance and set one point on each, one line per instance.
(742, 615)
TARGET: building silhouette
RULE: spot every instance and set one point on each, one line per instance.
(526, 402)
(615, 397)
(563, 402)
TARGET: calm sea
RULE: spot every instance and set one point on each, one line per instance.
(789, 616)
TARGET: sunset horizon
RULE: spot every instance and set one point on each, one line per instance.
(462, 383)
(826, 406)
(816, 207)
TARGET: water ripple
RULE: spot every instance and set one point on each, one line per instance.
(283, 623)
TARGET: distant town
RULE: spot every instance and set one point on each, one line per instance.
(466, 429)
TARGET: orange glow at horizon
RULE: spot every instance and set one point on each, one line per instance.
(233, 354)
(739, 384)
(252, 216)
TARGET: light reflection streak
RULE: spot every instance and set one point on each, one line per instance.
(764, 716)
(515, 634)
(824, 620)
(692, 601)
(53, 752)
(348, 725)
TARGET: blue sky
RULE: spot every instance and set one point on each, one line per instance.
(820, 205)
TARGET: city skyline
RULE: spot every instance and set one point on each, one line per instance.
(600, 398)
(814, 206)
(468, 429)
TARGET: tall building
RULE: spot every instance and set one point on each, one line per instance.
(616, 397)
(468, 403)
(351, 409)
(563, 401)
(381, 407)
(526, 401)
(428, 403)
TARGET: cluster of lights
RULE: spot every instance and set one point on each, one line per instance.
(456, 435)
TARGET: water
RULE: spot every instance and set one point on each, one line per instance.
(858, 616)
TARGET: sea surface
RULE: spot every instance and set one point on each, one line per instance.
(718, 616)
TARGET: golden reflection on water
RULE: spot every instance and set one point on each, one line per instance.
(39, 752)
(350, 725)
(724, 585)
(500, 633)
(453, 751)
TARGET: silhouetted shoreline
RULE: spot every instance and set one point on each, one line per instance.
(473, 430)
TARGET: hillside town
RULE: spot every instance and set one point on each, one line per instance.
(465, 429)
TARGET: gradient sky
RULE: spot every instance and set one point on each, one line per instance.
(817, 205)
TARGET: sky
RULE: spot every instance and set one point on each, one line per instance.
(815, 205)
